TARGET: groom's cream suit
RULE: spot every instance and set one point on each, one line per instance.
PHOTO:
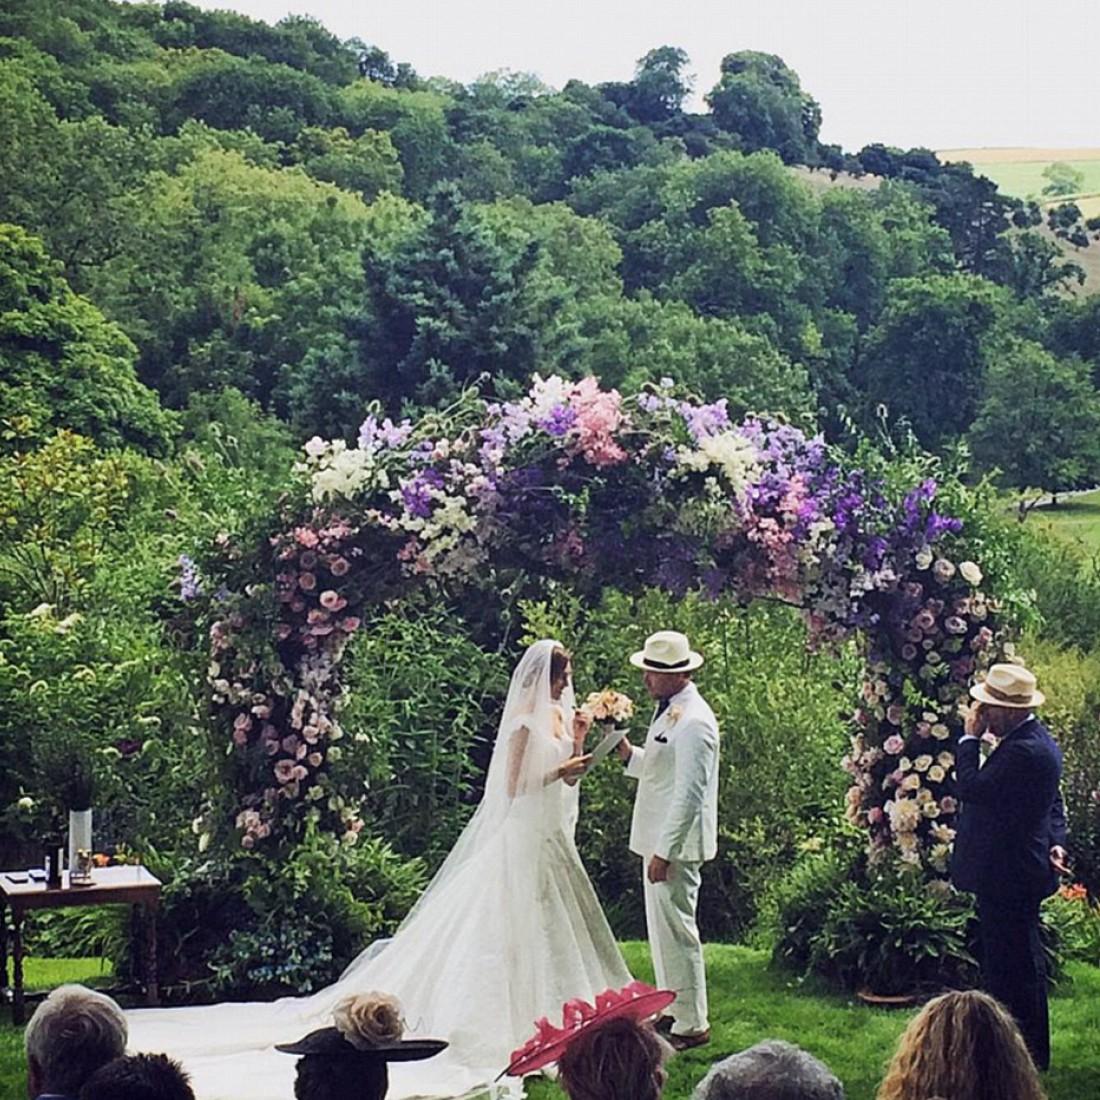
(676, 818)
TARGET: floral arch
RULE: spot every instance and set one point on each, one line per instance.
(576, 482)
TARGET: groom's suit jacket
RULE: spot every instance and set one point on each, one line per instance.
(676, 806)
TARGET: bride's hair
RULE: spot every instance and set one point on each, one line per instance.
(621, 1058)
(559, 665)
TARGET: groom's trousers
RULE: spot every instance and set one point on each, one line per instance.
(675, 945)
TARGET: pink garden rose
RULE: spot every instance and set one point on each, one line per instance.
(307, 582)
(895, 714)
(333, 601)
(894, 745)
(339, 566)
(349, 625)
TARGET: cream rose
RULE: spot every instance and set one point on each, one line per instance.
(970, 573)
(369, 1020)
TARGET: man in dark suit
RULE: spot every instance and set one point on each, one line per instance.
(1010, 843)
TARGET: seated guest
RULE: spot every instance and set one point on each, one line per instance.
(963, 1046)
(771, 1070)
(606, 1051)
(73, 1032)
(138, 1077)
(348, 1060)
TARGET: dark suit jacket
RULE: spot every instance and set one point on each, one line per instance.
(1011, 815)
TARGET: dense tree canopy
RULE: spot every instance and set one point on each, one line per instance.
(318, 226)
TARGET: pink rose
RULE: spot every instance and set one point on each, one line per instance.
(315, 759)
(339, 566)
(948, 805)
(333, 601)
(290, 744)
(283, 630)
(908, 652)
(307, 559)
(895, 714)
(349, 625)
(894, 745)
(924, 620)
(874, 815)
(306, 536)
(307, 582)
(284, 771)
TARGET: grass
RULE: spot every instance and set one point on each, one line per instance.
(1073, 519)
(749, 1002)
(1019, 172)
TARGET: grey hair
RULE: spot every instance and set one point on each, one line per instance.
(771, 1070)
(71, 1034)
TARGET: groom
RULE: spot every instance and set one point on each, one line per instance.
(675, 827)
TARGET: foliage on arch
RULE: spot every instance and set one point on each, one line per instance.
(579, 484)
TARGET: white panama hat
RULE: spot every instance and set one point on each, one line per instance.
(667, 651)
(1008, 686)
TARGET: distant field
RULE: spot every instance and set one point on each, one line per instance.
(1020, 171)
(1075, 519)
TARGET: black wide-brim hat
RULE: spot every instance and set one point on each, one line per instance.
(328, 1040)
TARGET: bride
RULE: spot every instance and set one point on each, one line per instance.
(508, 930)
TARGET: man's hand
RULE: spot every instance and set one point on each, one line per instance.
(574, 768)
(625, 749)
(975, 724)
(1059, 859)
(658, 869)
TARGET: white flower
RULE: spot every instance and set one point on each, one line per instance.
(946, 759)
(26, 803)
(730, 452)
(315, 447)
(923, 762)
(936, 774)
(970, 573)
(924, 557)
(911, 782)
(940, 732)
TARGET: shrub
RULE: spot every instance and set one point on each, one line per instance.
(1074, 921)
(895, 935)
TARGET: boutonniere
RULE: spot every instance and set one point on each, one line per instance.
(674, 715)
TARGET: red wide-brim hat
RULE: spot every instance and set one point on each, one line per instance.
(636, 1001)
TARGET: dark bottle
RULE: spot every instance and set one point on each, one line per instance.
(55, 855)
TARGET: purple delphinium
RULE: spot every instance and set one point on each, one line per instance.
(705, 420)
(560, 421)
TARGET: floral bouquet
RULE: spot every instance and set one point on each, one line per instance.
(608, 709)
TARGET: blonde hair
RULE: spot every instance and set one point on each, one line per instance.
(961, 1046)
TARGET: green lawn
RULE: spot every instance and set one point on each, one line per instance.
(750, 1002)
(1076, 519)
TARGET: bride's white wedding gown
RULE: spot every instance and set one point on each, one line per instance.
(508, 930)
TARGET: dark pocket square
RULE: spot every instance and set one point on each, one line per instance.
(661, 739)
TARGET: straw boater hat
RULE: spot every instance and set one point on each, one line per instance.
(667, 651)
(1008, 686)
(636, 1001)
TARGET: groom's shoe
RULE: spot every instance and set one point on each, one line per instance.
(687, 1042)
(664, 1025)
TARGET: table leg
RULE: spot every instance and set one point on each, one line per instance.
(17, 1013)
(152, 993)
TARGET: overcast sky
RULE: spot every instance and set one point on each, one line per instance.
(939, 73)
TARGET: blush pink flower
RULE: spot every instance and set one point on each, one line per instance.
(307, 582)
(339, 567)
(349, 625)
(894, 745)
(333, 601)
(306, 536)
(284, 771)
(895, 713)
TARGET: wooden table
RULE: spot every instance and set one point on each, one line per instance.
(124, 885)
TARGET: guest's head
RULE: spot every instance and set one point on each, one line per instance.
(771, 1070)
(348, 1061)
(964, 1046)
(340, 1077)
(73, 1032)
(138, 1077)
(622, 1059)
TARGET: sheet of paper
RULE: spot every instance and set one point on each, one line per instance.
(607, 743)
